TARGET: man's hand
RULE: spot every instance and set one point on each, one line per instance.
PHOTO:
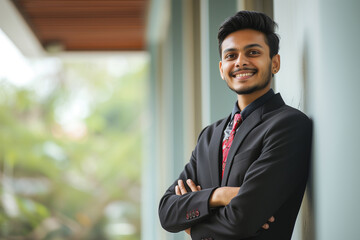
(222, 197)
(219, 198)
(181, 190)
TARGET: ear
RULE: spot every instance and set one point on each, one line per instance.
(275, 63)
(221, 70)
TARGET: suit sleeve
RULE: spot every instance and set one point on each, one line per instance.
(178, 213)
(269, 182)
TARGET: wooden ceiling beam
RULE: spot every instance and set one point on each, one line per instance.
(87, 24)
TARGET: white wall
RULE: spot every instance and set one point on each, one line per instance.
(15, 27)
(319, 74)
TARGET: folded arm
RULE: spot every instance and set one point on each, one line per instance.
(269, 182)
(219, 198)
(180, 212)
(279, 173)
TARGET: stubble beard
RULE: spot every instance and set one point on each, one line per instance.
(260, 86)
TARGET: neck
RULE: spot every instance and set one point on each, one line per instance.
(245, 99)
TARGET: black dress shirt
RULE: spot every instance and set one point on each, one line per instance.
(247, 111)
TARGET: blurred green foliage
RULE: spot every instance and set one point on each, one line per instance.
(77, 182)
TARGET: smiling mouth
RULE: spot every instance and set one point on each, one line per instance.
(243, 76)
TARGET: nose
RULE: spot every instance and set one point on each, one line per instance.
(241, 60)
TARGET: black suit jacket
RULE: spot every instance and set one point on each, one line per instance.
(268, 160)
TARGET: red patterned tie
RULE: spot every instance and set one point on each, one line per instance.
(227, 142)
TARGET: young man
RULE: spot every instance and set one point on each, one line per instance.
(248, 172)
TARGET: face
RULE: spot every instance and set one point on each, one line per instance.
(245, 62)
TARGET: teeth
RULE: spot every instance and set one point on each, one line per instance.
(244, 74)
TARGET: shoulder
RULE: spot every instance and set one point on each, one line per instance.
(276, 108)
(281, 111)
(214, 125)
(287, 119)
(292, 114)
(209, 130)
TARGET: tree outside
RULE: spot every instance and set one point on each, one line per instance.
(71, 149)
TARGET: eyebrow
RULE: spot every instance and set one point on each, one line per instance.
(253, 45)
(246, 47)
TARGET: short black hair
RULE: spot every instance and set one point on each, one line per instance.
(251, 20)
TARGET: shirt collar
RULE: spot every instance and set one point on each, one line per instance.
(252, 106)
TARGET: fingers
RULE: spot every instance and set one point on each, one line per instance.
(177, 190)
(192, 185)
(181, 190)
(182, 187)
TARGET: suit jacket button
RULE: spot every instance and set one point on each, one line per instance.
(197, 213)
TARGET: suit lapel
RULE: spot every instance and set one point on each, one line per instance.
(214, 152)
(246, 126)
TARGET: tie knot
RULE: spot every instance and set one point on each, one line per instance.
(237, 117)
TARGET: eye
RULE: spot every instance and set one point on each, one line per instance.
(230, 56)
(253, 53)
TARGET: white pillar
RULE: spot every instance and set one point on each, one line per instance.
(217, 98)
